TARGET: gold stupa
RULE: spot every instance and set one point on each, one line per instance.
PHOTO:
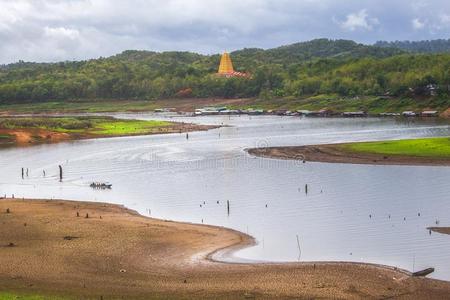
(226, 65)
(226, 68)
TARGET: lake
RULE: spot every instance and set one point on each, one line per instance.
(362, 213)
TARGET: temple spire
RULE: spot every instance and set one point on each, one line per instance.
(226, 66)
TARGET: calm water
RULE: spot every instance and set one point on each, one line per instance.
(191, 180)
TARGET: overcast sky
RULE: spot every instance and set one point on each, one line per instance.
(54, 30)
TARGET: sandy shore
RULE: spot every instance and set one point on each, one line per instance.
(115, 253)
(333, 153)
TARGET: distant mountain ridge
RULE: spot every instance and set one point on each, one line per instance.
(310, 50)
(293, 53)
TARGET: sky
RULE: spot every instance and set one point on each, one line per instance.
(56, 30)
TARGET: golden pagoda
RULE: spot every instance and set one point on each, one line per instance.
(226, 68)
(226, 65)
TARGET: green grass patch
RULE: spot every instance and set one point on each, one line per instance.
(427, 147)
(370, 104)
(85, 125)
(129, 126)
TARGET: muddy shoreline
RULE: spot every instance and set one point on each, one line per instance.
(441, 230)
(111, 252)
(333, 153)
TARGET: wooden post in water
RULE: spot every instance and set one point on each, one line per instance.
(60, 173)
(22, 173)
(306, 188)
(228, 207)
(299, 249)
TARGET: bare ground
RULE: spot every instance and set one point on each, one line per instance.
(116, 253)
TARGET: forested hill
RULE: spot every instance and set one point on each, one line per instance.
(309, 68)
(434, 46)
(320, 48)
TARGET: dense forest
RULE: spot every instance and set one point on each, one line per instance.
(310, 68)
(433, 46)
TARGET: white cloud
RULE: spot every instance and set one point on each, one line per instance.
(419, 5)
(61, 33)
(417, 24)
(52, 30)
(359, 20)
(445, 19)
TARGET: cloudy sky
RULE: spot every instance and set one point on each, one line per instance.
(53, 30)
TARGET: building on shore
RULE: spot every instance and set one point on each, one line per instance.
(226, 68)
(409, 114)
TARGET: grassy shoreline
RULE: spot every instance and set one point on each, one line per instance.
(370, 104)
(427, 147)
(21, 131)
(421, 152)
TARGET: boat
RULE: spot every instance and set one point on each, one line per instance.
(101, 185)
(423, 272)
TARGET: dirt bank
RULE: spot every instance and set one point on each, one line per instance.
(333, 153)
(24, 137)
(116, 253)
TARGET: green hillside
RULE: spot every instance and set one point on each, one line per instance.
(298, 71)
